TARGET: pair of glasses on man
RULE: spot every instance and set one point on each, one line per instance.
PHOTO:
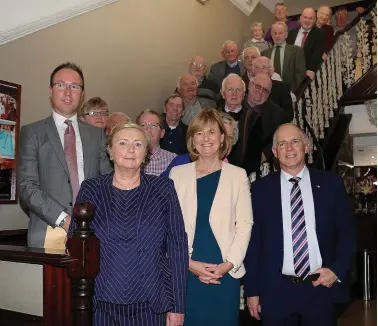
(97, 113)
(60, 86)
(152, 126)
(197, 65)
(261, 89)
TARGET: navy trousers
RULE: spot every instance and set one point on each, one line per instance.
(136, 314)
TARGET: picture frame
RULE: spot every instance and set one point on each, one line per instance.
(10, 111)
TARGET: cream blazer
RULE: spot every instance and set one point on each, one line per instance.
(230, 216)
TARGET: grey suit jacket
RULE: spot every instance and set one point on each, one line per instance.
(294, 65)
(43, 176)
(218, 72)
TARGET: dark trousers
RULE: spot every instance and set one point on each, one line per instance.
(137, 314)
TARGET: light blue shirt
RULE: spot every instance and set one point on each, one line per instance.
(309, 211)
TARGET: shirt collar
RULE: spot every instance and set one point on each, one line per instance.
(59, 119)
(304, 30)
(238, 109)
(302, 174)
(258, 41)
(156, 153)
(232, 65)
(281, 45)
(276, 76)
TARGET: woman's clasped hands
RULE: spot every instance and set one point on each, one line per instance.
(209, 273)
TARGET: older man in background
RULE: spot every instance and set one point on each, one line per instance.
(280, 14)
(206, 87)
(159, 160)
(249, 55)
(114, 119)
(230, 64)
(311, 39)
(288, 60)
(95, 112)
(187, 87)
(233, 90)
(174, 139)
(280, 92)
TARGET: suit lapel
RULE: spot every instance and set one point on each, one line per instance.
(55, 142)
(317, 194)
(222, 70)
(287, 56)
(85, 143)
(277, 205)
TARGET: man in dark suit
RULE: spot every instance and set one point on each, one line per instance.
(259, 120)
(302, 242)
(230, 64)
(288, 60)
(56, 154)
(311, 39)
(280, 93)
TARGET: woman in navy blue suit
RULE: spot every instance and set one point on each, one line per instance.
(144, 255)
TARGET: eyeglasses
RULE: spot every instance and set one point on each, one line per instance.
(198, 65)
(293, 143)
(232, 90)
(152, 126)
(75, 88)
(262, 67)
(261, 89)
(97, 113)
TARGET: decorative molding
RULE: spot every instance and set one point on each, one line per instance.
(34, 25)
(246, 6)
(371, 109)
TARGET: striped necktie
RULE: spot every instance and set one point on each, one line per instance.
(71, 157)
(298, 229)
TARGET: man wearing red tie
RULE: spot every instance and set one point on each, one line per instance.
(302, 242)
(311, 39)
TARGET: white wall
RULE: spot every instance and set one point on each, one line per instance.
(21, 288)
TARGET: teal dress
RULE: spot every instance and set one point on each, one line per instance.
(210, 304)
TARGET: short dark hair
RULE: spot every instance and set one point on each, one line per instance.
(148, 111)
(175, 96)
(67, 65)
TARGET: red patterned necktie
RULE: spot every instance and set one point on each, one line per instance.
(304, 39)
(71, 158)
(298, 228)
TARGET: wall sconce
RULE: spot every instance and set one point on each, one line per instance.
(202, 1)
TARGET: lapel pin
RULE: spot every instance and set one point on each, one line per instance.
(317, 186)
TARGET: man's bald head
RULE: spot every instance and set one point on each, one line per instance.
(308, 18)
(263, 66)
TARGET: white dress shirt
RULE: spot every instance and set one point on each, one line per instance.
(309, 211)
(298, 40)
(282, 55)
(232, 65)
(61, 127)
(238, 109)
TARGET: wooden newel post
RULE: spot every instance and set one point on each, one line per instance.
(84, 251)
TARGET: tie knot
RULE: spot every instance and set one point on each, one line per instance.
(278, 46)
(305, 33)
(68, 122)
(295, 180)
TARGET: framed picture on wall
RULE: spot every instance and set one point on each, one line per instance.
(10, 108)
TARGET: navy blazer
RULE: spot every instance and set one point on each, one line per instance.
(264, 260)
(157, 261)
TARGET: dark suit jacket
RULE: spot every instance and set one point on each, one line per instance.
(43, 175)
(313, 48)
(174, 140)
(264, 260)
(218, 72)
(154, 266)
(294, 65)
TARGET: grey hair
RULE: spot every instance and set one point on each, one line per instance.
(228, 119)
(119, 113)
(259, 24)
(148, 111)
(204, 61)
(179, 80)
(270, 64)
(251, 47)
(281, 24)
(230, 76)
(304, 136)
(228, 41)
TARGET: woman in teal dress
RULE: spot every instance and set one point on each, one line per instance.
(216, 206)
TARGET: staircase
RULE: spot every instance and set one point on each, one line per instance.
(340, 81)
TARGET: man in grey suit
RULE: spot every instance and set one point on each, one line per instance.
(289, 60)
(55, 155)
(230, 64)
(187, 87)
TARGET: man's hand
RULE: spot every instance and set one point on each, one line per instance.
(254, 307)
(204, 271)
(360, 10)
(326, 278)
(174, 319)
(310, 74)
(66, 224)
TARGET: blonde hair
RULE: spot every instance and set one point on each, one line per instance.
(206, 117)
(282, 24)
(259, 24)
(95, 103)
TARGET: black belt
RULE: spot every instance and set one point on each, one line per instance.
(296, 279)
